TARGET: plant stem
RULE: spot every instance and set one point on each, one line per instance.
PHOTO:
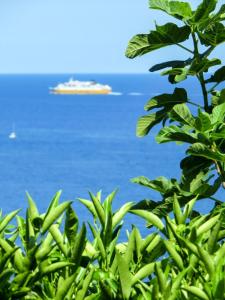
(204, 91)
(185, 48)
(195, 104)
(200, 76)
(213, 87)
(220, 171)
(216, 200)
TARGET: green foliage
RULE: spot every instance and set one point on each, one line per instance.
(202, 127)
(182, 258)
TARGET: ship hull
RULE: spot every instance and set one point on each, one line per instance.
(80, 92)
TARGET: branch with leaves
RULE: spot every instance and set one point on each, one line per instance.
(202, 128)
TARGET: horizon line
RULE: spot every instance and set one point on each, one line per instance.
(74, 74)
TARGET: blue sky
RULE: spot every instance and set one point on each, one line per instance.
(76, 36)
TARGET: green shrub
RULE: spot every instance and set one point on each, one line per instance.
(47, 256)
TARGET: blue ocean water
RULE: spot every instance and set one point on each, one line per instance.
(80, 143)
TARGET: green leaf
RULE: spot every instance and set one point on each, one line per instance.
(63, 289)
(58, 237)
(145, 123)
(182, 114)
(151, 218)
(160, 184)
(174, 254)
(53, 214)
(218, 76)
(51, 268)
(179, 96)
(218, 113)
(5, 221)
(199, 149)
(86, 283)
(120, 213)
(165, 35)
(71, 225)
(195, 291)
(202, 66)
(98, 208)
(175, 134)
(33, 211)
(79, 245)
(177, 9)
(213, 36)
(176, 75)
(171, 63)
(214, 237)
(89, 205)
(203, 10)
(206, 226)
(124, 275)
(144, 272)
(203, 121)
(192, 165)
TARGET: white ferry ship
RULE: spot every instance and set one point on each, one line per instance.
(81, 87)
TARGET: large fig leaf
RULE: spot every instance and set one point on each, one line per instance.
(145, 123)
(213, 36)
(178, 9)
(182, 114)
(203, 10)
(203, 121)
(165, 35)
(160, 184)
(175, 134)
(179, 96)
(192, 165)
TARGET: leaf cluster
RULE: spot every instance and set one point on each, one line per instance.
(200, 127)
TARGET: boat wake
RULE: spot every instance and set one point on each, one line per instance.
(116, 93)
(135, 94)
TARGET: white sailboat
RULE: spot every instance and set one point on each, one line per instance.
(12, 134)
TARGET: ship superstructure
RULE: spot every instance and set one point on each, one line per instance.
(81, 87)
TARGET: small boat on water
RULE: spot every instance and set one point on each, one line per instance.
(81, 87)
(12, 134)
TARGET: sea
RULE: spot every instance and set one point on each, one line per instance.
(82, 143)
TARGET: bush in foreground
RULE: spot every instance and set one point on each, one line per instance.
(49, 256)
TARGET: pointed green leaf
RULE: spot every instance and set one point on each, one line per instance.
(125, 276)
(120, 213)
(195, 291)
(71, 225)
(149, 217)
(5, 221)
(53, 214)
(79, 245)
(98, 208)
